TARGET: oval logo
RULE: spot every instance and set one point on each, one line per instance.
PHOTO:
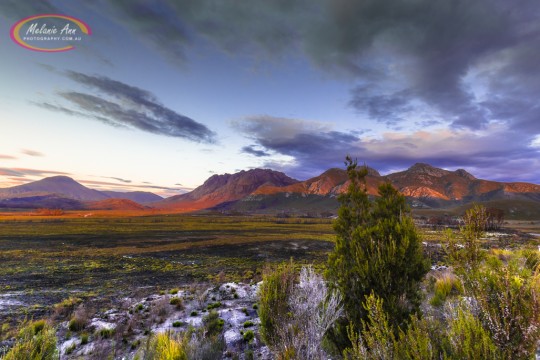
(49, 32)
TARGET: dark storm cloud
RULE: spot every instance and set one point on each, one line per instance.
(19, 9)
(316, 148)
(172, 26)
(405, 55)
(252, 151)
(129, 106)
(313, 147)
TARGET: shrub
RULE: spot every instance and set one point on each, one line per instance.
(34, 343)
(66, 306)
(174, 291)
(38, 326)
(377, 250)
(248, 324)
(139, 307)
(164, 346)
(84, 338)
(177, 324)
(76, 324)
(105, 333)
(214, 305)
(71, 348)
(194, 313)
(467, 338)
(203, 347)
(248, 336)
(273, 301)
(176, 301)
(213, 323)
(445, 285)
(507, 299)
(311, 310)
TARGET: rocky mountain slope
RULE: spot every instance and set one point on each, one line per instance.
(226, 188)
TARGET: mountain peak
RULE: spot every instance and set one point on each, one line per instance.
(423, 168)
(463, 173)
(62, 185)
(58, 178)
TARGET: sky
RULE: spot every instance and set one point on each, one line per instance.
(163, 94)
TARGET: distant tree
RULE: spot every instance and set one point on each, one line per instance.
(377, 251)
(495, 218)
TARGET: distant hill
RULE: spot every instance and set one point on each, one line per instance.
(48, 201)
(225, 188)
(60, 185)
(141, 197)
(114, 204)
(62, 192)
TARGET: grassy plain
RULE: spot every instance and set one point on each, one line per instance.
(46, 259)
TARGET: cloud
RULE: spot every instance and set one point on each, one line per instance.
(129, 106)
(7, 157)
(32, 152)
(313, 147)
(406, 57)
(119, 179)
(20, 9)
(252, 151)
(23, 172)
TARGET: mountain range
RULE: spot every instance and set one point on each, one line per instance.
(269, 191)
(62, 192)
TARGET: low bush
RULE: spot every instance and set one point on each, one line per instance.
(36, 341)
(213, 324)
(176, 301)
(248, 336)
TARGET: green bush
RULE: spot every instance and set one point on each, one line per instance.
(213, 323)
(176, 301)
(177, 324)
(248, 324)
(468, 339)
(445, 285)
(84, 338)
(71, 348)
(377, 250)
(164, 346)
(273, 300)
(105, 333)
(508, 302)
(76, 324)
(248, 336)
(36, 341)
(214, 305)
(194, 313)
